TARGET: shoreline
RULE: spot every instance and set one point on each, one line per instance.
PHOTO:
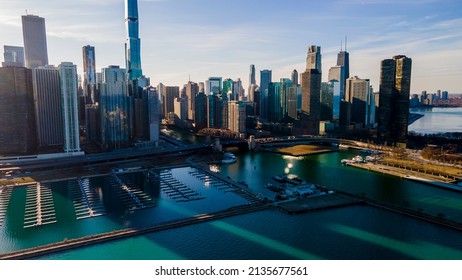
(406, 174)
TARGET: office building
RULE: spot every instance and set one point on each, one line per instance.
(265, 80)
(35, 41)
(294, 77)
(169, 95)
(89, 74)
(13, 56)
(237, 116)
(70, 106)
(395, 83)
(213, 85)
(358, 93)
(153, 113)
(17, 124)
(252, 80)
(114, 109)
(48, 106)
(192, 89)
(214, 111)
(311, 92)
(274, 100)
(200, 108)
(313, 58)
(327, 101)
(133, 44)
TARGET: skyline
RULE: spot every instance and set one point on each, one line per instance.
(190, 38)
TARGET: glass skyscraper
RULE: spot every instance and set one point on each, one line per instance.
(70, 106)
(265, 80)
(89, 73)
(133, 44)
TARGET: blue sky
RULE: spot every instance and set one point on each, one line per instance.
(203, 38)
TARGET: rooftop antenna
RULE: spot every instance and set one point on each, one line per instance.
(345, 43)
(341, 45)
(26, 12)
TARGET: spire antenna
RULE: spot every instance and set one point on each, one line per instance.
(346, 43)
(341, 45)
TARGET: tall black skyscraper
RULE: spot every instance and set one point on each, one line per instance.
(252, 75)
(311, 92)
(395, 84)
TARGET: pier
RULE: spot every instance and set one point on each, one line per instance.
(5, 194)
(132, 197)
(173, 188)
(87, 203)
(40, 209)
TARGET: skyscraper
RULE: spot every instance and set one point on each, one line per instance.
(327, 101)
(252, 80)
(311, 92)
(114, 109)
(133, 44)
(213, 85)
(192, 89)
(237, 116)
(13, 56)
(343, 59)
(294, 77)
(70, 105)
(395, 84)
(313, 58)
(17, 122)
(358, 94)
(265, 80)
(89, 74)
(48, 106)
(35, 41)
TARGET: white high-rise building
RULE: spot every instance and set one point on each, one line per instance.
(70, 106)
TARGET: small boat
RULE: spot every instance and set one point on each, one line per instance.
(229, 158)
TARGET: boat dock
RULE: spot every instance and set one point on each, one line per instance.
(130, 194)
(173, 188)
(87, 203)
(317, 203)
(40, 209)
(5, 194)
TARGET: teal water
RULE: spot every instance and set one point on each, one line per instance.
(356, 232)
(437, 120)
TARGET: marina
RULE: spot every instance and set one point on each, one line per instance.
(5, 194)
(87, 202)
(39, 209)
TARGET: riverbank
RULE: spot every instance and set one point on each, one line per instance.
(425, 178)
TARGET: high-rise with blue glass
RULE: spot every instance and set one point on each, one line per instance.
(132, 46)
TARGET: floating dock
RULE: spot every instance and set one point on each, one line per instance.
(40, 209)
(87, 203)
(5, 194)
(130, 194)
